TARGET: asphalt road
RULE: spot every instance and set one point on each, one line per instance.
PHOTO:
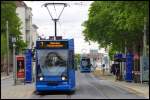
(87, 87)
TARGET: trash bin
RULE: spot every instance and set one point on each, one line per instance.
(136, 77)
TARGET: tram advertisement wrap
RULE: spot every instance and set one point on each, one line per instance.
(20, 67)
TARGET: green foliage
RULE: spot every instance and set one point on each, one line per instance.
(21, 43)
(114, 22)
(8, 13)
(3, 47)
(77, 58)
(112, 51)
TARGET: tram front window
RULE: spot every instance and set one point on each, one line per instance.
(52, 62)
(85, 62)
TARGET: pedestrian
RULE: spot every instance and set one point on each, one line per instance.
(103, 68)
(117, 71)
(113, 69)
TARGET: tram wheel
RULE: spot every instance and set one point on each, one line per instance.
(71, 92)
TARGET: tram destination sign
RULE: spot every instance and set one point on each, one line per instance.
(52, 44)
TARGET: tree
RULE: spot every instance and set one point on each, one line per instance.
(3, 47)
(8, 13)
(77, 57)
(111, 23)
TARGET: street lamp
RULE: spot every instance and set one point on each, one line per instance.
(14, 61)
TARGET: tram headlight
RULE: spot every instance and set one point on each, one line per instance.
(64, 78)
(41, 78)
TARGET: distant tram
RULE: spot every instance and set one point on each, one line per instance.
(85, 64)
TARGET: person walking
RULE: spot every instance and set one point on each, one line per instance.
(117, 71)
(103, 70)
(113, 69)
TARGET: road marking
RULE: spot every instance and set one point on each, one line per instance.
(96, 88)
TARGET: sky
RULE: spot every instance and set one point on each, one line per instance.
(69, 24)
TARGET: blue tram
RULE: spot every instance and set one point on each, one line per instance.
(85, 64)
(55, 65)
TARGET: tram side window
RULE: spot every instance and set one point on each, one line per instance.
(71, 59)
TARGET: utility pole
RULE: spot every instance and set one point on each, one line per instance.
(144, 38)
(14, 60)
(144, 48)
(7, 33)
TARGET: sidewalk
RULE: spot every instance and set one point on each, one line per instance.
(4, 76)
(137, 88)
(11, 91)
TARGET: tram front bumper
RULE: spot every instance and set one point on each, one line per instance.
(85, 70)
(45, 87)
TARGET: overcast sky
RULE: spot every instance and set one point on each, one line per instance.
(69, 24)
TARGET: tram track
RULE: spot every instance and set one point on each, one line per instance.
(94, 85)
(68, 96)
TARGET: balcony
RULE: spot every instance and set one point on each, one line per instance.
(28, 28)
(27, 37)
(27, 15)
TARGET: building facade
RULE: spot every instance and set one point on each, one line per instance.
(34, 35)
(25, 15)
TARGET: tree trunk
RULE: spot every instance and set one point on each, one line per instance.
(2, 64)
(5, 64)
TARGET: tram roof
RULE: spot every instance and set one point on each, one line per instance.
(55, 40)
